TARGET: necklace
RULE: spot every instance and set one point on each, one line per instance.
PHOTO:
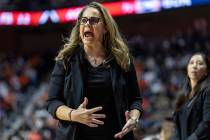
(93, 60)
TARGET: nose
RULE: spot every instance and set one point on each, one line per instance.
(194, 66)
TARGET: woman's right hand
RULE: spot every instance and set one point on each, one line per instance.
(87, 116)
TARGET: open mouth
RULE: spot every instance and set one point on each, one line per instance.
(88, 34)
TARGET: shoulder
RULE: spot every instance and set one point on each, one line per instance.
(206, 90)
(72, 56)
(204, 93)
(206, 86)
(59, 63)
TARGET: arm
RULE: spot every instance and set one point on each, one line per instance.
(203, 128)
(55, 98)
(134, 102)
(56, 103)
(134, 98)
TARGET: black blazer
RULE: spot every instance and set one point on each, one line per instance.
(197, 117)
(67, 88)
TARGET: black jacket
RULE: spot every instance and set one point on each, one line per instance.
(67, 88)
(197, 117)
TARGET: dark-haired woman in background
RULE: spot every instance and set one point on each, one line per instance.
(192, 115)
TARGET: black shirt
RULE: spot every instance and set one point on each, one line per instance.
(99, 93)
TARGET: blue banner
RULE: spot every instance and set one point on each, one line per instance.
(200, 2)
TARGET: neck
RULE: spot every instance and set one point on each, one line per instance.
(95, 51)
(193, 84)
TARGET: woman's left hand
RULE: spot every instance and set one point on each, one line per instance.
(129, 126)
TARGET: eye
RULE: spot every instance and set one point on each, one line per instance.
(200, 63)
(191, 62)
(94, 20)
(83, 20)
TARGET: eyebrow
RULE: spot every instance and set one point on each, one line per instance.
(200, 61)
(91, 17)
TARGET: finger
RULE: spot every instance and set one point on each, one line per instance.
(130, 124)
(92, 125)
(98, 116)
(126, 115)
(130, 127)
(84, 103)
(121, 133)
(126, 125)
(97, 121)
(90, 111)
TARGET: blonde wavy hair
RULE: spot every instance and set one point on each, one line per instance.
(112, 40)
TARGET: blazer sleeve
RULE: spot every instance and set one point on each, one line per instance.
(202, 131)
(56, 86)
(134, 95)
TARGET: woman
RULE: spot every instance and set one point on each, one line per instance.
(94, 82)
(192, 115)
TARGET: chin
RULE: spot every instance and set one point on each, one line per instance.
(193, 78)
(88, 43)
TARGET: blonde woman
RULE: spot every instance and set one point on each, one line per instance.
(93, 83)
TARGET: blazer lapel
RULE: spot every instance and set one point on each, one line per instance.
(78, 73)
(190, 106)
(117, 90)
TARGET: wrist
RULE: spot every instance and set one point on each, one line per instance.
(136, 120)
(70, 115)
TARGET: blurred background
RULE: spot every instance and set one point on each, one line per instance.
(161, 34)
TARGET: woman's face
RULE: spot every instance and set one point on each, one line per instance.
(197, 68)
(92, 27)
